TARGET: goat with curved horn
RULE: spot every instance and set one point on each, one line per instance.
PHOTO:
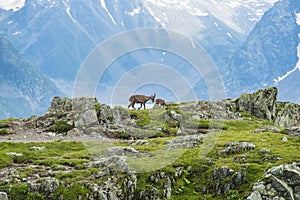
(139, 98)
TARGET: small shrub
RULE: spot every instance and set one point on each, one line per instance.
(173, 106)
(110, 118)
(167, 131)
(4, 131)
(19, 192)
(142, 117)
(98, 107)
(71, 192)
(61, 127)
(6, 123)
(34, 196)
(246, 114)
(124, 135)
(208, 124)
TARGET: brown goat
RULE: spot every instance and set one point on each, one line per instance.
(139, 98)
(161, 102)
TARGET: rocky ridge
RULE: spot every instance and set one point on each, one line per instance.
(86, 115)
(84, 119)
(280, 182)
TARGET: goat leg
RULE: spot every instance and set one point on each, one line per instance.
(141, 106)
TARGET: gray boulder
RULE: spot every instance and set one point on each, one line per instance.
(281, 182)
(236, 147)
(112, 162)
(105, 114)
(203, 110)
(3, 196)
(293, 131)
(86, 115)
(269, 128)
(225, 179)
(189, 141)
(260, 104)
(121, 151)
(264, 151)
(59, 104)
(287, 114)
(263, 104)
(85, 119)
(254, 196)
(34, 148)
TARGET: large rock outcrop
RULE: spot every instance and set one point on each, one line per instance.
(279, 182)
(83, 109)
(260, 104)
(225, 179)
(263, 104)
(287, 114)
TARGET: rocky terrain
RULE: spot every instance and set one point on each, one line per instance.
(244, 148)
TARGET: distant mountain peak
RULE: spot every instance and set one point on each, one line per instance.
(271, 53)
(24, 90)
(13, 5)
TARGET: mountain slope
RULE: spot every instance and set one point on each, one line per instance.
(23, 89)
(270, 53)
(56, 36)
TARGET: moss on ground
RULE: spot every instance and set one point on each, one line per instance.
(54, 153)
(5, 127)
(6, 123)
(61, 127)
(191, 185)
(196, 173)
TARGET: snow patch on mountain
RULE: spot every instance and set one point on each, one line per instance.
(290, 72)
(134, 12)
(103, 5)
(191, 11)
(298, 54)
(229, 35)
(66, 3)
(176, 14)
(297, 18)
(17, 33)
(14, 5)
(281, 78)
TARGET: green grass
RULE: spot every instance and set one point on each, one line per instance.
(76, 175)
(197, 170)
(238, 130)
(55, 153)
(71, 192)
(6, 123)
(149, 121)
(4, 131)
(190, 186)
(61, 127)
(141, 116)
(98, 107)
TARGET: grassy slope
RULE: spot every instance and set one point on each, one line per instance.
(58, 156)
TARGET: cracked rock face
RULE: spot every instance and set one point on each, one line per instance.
(236, 147)
(225, 179)
(282, 182)
(189, 141)
(263, 104)
(3, 196)
(260, 104)
(287, 114)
